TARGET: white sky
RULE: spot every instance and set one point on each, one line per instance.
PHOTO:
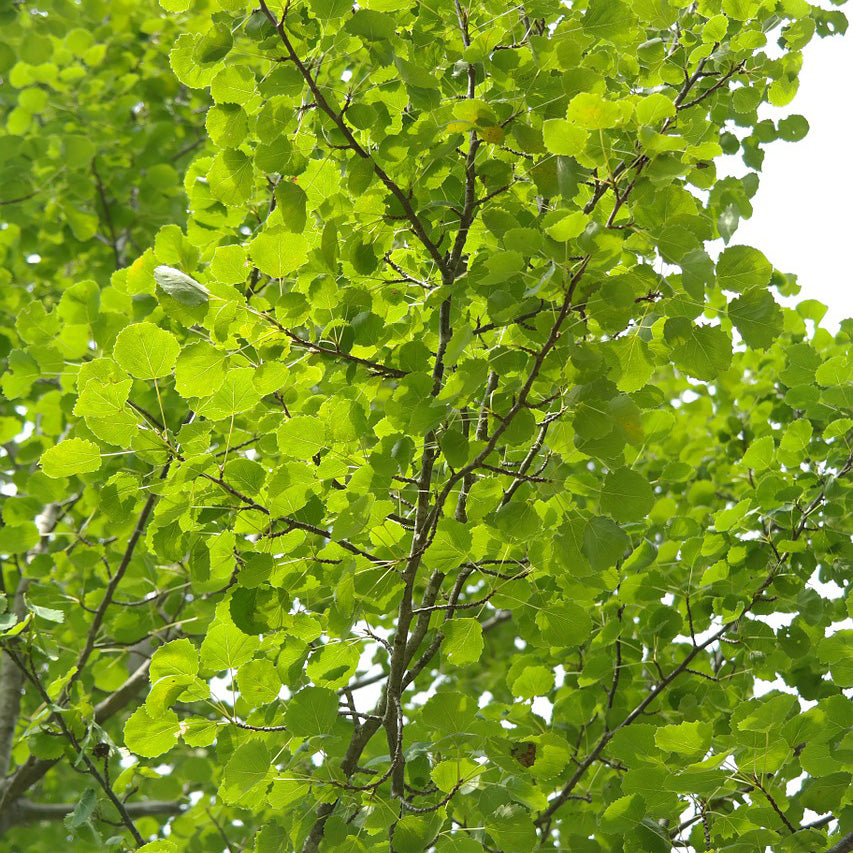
(803, 210)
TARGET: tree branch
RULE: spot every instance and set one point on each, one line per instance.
(74, 741)
(544, 818)
(845, 845)
(112, 587)
(108, 219)
(373, 366)
(28, 811)
(321, 102)
(11, 677)
(523, 394)
(34, 769)
(11, 687)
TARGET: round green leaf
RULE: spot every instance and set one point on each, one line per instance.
(757, 317)
(742, 267)
(150, 735)
(278, 252)
(231, 177)
(463, 641)
(69, 457)
(626, 495)
(199, 371)
(312, 711)
(146, 351)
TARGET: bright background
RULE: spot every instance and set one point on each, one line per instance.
(803, 214)
(803, 210)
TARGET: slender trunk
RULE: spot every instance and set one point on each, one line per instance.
(11, 685)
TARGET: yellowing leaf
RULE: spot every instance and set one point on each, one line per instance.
(591, 111)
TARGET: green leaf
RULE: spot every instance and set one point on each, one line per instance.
(151, 736)
(18, 538)
(302, 437)
(703, 352)
(676, 242)
(51, 614)
(742, 267)
(160, 846)
(83, 810)
(765, 714)
(697, 273)
(371, 25)
(837, 651)
(278, 252)
(449, 712)
(234, 84)
(333, 665)
(589, 110)
(834, 371)
(181, 287)
(793, 128)
(532, 681)
(330, 8)
(604, 543)
(179, 657)
(511, 828)
(214, 45)
(312, 711)
(448, 341)
(80, 303)
(146, 351)
(759, 454)
(415, 75)
(566, 226)
(726, 519)
(757, 317)
(199, 370)
(230, 264)
(448, 774)
(103, 399)
(463, 641)
(458, 844)
(225, 647)
(247, 774)
(451, 545)
(412, 834)
(564, 137)
(623, 814)
(69, 457)
(259, 681)
(796, 436)
(231, 177)
(236, 394)
(291, 201)
(454, 446)
(626, 495)
(685, 738)
(564, 623)
(655, 108)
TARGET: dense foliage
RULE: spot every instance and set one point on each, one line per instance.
(389, 463)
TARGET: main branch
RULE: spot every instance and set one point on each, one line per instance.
(320, 100)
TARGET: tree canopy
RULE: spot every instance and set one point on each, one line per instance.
(392, 460)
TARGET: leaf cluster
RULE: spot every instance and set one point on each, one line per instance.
(395, 461)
